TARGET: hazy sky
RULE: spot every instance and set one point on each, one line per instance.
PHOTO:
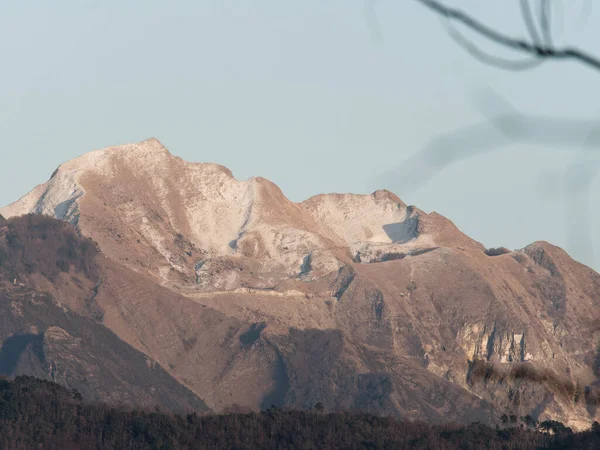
(306, 94)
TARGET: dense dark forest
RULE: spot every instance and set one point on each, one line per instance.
(42, 414)
(40, 244)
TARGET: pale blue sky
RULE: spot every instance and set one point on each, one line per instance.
(298, 92)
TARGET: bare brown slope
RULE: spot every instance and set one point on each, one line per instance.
(408, 335)
(453, 308)
(256, 365)
(359, 300)
(40, 336)
(201, 347)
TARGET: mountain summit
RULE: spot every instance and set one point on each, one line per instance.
(355, 301)
(144, 205)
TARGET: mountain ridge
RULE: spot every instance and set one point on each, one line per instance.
(355, 300)
(234, 207)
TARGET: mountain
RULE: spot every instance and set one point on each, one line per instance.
(355, 301)
(40, 335)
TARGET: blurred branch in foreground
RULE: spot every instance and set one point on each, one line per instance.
(504, 126)
(373, 21)
(539, 47)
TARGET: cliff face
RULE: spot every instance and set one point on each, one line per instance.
(353, 300)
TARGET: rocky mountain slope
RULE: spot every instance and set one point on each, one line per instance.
(41, 335)
(357, 301)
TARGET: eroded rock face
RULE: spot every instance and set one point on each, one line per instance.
(352, 300)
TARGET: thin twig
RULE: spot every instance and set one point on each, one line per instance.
(530, 22)
(546, 21)
(487, 58)
(373, 21)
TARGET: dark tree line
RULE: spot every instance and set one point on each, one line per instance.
(41, 414)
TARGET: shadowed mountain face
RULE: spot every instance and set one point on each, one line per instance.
(355, 301)
(40, 336)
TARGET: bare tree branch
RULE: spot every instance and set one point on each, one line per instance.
(539, 50)
(504, 125)
(530, 22)
(373, 21)
(546, 21)
(487, 58)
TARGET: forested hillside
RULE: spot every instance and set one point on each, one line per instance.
(41, 414)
